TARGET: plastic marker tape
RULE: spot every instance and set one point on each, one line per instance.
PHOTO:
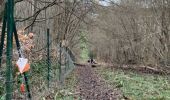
(23, 65)
(22, 88)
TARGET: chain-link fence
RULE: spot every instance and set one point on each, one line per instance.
(50, 62)
(50, 65)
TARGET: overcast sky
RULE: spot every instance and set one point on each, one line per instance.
(106, 2)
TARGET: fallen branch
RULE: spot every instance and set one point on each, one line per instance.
(144, 69)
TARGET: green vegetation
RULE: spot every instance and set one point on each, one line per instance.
(83, 46)
(38, 80)
(138, 86)
(68, 92)
(2, 82)
(84, 52)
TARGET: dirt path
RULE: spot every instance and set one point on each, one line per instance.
(91, 87)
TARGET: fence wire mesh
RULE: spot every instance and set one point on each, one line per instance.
(47, 73)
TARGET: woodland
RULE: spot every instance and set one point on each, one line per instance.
(129, 41)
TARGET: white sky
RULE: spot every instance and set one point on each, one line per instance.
(106, 2)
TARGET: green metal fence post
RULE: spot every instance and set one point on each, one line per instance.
(60, 64)
(9, 50)
(48, 56)
(8, 21)
(18, 48)
(67, 58)
(27, 85)
(3, 34)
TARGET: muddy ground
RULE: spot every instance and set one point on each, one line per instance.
(92, 87)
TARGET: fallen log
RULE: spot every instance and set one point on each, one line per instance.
(144, 69)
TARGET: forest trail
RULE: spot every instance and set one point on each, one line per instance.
(92, 87)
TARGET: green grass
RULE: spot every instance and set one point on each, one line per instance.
(84, 54)
(84, 51)
(67, 93)
(84, 47)
(138, 86)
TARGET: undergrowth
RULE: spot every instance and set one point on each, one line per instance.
(57, 92)
(137, 86)
(68, 92)
(38, 84)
